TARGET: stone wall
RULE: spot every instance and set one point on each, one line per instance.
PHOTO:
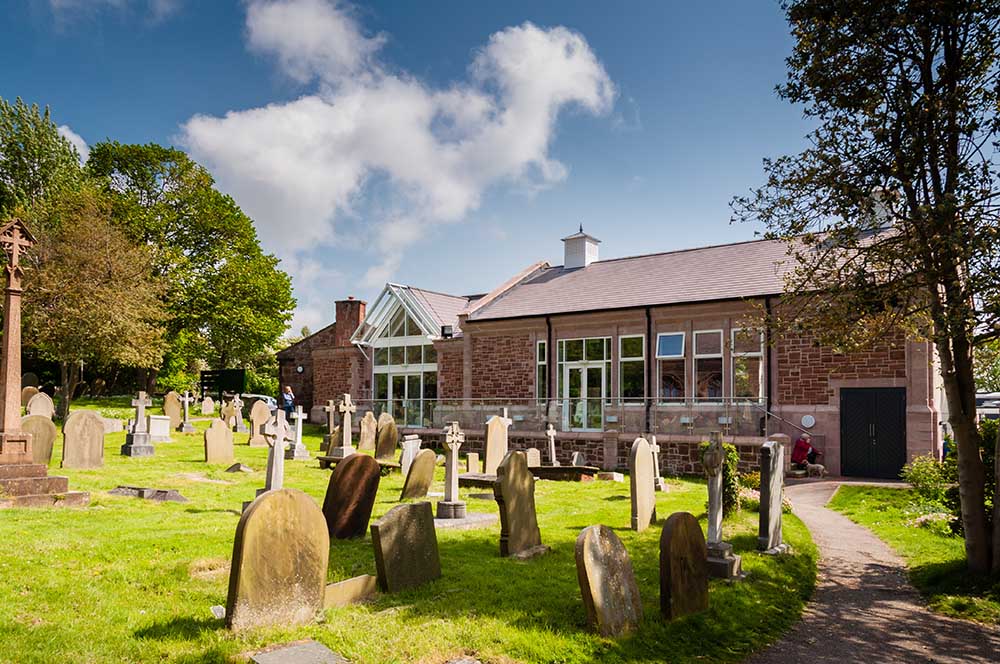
(806, 368)
(503, 366)
(339, 371)
(450, 359)
(301, 355)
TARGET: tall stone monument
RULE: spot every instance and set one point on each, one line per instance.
(722, 562)
(137, 440)
(237, 403)
(551, 435)
(274, 433)
(297, 450)
(772, 481)
(346, 447)
(451, 507)
(186, 426)
(23, 482)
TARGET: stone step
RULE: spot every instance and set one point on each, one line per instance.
(28, 486)
(8, 471)
(63, 499)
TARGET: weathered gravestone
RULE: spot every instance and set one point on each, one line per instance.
(346, 408)
(41, 404)
(43, 436)
(514, 491)
(722, 562)
(29, 380)
(137, 440)
(772, 481)
(386, 437)
(534, 457)
(472, 464)
(451, 507)
(578, 459)
(159, 428)
(240, 426)
(260, 415)
(640, 467)
(683, 568)
(406, 548)
(27, 393)
(331, 438)
(411, 447)
(607, 582)
(368, 427)
(83, 440)
(227, 412)
(350, 496)
(280, 556)
(550, 433)
(218, 443)
(297, 450)
(208, 406)
(420, 476)
(496, 442)
(172, 409)
(186, 426)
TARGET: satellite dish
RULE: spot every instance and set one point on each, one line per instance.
(808, 421)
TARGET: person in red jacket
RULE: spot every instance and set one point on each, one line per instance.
(804, 454)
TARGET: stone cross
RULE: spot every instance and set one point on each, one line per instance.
(506, 419)
(237, 404)
(275, 434)
(722, 562)
(347, 408)
(297, 450)
(187, 400)
(453, 439)
(15, 447)
(140, 412)
(330, 408)
(658, 483)
(551, 433)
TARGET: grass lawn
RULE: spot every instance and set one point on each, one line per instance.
(936, 562)
(128, 580)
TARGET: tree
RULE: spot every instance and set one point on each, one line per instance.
(89, 291)
(34, 158)
(892, 214)
(986, 360)
(227, 299)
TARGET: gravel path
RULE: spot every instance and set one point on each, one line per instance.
(864, 608)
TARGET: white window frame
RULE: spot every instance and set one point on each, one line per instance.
(391, 370)
(681, 357)
(542, 360)
(622, 360)
(683, 336)
(759, 354)
(563, 365)
(695, 356)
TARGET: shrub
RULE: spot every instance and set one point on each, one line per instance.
(751, 480)
(988, 430)
(929, 478)
(730, 478)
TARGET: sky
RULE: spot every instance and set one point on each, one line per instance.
(441, 144)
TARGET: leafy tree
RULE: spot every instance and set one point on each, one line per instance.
(34, 157)
(89, 291)
(227, 299)
(892, 213)
(986, 360)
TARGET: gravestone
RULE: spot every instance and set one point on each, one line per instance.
(137, 441)
(346, 448)
(420, 476)
(411, 447)
(260, 415)
(274, 433)
(369, 425)
(640, 467)
(208, 406)
(186, 401)
(240, 426)
(227, 413)
(451, 507)
(722, 562)
(26, 394)
(514, 491)
(659, 484)
(386, 437)
(683, 569)
(607, 582)
(41, 404)
(29, 380)
(219, 443)
(578, 459)
(406, 548)
(350, 496)
(297, 450)
(43, 436)
(172, 409)
(534, 457)
(772, 481)
(496, 442)
(472, 464)
(159, 428)
(280, 556)
(550, 433)
(83, 440)
(332, 437)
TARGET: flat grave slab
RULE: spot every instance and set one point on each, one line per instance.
(300, 652)
(326, 462)
(565, 473)
(159, 495)
(477, 480)
(469, 522)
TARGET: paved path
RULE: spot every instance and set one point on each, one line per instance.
(864, 609)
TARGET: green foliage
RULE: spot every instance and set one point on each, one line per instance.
(987, 366)
(930, 478)
(730, 477)
(751, 480)
(34, 159)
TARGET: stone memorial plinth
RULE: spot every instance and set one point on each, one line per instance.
(683, 569)
(607, 582)
(350, 496)
(159, 428)
(406, 548)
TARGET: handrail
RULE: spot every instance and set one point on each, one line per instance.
(779, 417)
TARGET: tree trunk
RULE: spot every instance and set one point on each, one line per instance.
(996, 506)
(960, 391)
(151, 381)
(69, 379)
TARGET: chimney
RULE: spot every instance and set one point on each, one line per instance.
(580, 250)
(349, 315)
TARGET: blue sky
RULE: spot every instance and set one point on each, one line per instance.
(441, 144)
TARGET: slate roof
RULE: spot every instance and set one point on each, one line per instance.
(442, 307)
(729, 271)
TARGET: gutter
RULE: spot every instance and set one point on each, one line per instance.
(770, 354)
(550, 370)
(650, 371)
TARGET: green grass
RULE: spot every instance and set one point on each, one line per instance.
(936, 562)
(130, 580)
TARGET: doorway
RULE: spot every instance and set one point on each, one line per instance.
(583, 396)
(873, 432)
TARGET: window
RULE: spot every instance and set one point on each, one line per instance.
(586, 364)
(671, 367)
(748, 364)
(381, 357)
(430, 355)
(541, 370)
(670, 346)
(632, 367)
(708, 365)
(404, 367)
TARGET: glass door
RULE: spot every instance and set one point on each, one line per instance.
(583, 397)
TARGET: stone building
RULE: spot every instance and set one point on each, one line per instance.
(607, 349)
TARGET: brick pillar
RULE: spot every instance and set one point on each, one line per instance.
(349, 314)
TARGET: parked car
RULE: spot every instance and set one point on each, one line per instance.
(250, 399)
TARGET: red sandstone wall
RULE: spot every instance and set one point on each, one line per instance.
(503, 366)
(302, 355)
(332, 374)
(805, 368)
(450, 358)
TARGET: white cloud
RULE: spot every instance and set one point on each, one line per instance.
(156, 9)
(76, 141)
(298, 167)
